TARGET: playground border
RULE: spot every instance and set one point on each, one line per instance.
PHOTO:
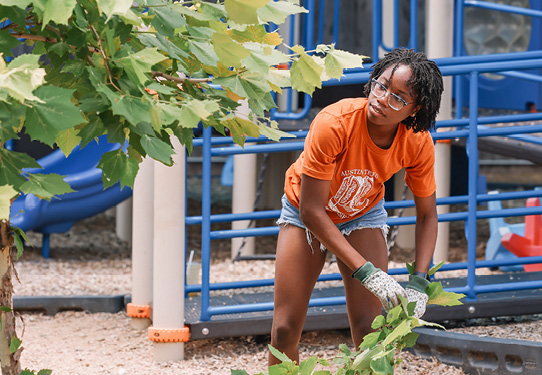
(478, 354)
(474, 354)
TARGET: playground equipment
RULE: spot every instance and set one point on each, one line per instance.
(209, 316)
(498, 227)
(531, 243)
(58, 215)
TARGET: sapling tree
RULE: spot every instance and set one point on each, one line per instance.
(142, 73)
(378, 354)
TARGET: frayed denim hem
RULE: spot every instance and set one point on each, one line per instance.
(345, 232)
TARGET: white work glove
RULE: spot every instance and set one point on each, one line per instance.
(382, 285)
(416, 292)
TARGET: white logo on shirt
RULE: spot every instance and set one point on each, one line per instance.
(350, 198)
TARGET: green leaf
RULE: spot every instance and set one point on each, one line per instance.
(157, 149)
(6, 309)
(409, 340)
(18, 3)
(58, 11)
(136, 65)
(21, 77)
(94, 128)
(66, 140)
(204, 52)
(16, 15)
(244, 11)
(134, 110)
(11, 163)
(164, 44)
(305, 72)
(263, 57)
(371, 339)
(411, 268)
(378, 322)
(111, 7)
(11, 117)
(363, 360)
(229, 51)
(255, 86)
(166, 19)
(324, 362)
(14, 344)
(55, 112)
(238, 372)
(277, 11)
(45, 372)
(185, 136)
(435, 268)
(19, 235)
(382, 364)
(6, 194)
(279, 355)
(307, 366)
(7, 42)
(273, 133)
(45, 186)
(336, 61)
(193, 111)
(401, 330)
(394, 314)
(437, 296)
(116, 167)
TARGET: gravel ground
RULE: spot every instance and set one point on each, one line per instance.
(90, 260)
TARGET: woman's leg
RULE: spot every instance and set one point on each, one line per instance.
(296, 270)
(362, 306)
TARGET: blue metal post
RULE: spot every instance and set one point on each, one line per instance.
(336, 21)
(396, 20)
(413, 38)
(206, 224)
(377, 28)
(472, 148)
(458, 51)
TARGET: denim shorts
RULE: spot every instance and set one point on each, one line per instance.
(373, 219)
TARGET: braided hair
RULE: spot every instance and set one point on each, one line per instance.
(426, 84)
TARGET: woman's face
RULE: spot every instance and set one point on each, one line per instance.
(380, 112)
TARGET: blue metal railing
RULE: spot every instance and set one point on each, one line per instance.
(471, 128)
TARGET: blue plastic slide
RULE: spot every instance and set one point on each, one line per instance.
(30, 213)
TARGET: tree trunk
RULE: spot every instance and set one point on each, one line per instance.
(9, 361)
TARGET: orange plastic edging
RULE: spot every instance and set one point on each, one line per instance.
(138, 311)
(169, 335)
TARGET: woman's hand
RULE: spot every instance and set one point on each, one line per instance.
(382, 285)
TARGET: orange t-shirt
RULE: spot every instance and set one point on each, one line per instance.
(338, 148)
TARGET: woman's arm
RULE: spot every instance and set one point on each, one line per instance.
(426, 231)
(312, 202)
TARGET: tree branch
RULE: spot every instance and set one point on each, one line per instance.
(39, 38)
(179, 79)
(102, 52)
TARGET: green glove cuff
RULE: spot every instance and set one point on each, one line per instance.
(364, 272)
(417, 283)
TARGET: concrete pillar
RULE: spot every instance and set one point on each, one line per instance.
(169, 253)
(439, 24)
(142, 239)
(123, 220)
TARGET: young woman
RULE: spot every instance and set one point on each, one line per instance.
(334, 198)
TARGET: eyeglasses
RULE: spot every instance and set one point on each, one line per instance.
(394, 101)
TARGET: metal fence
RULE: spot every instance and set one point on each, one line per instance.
(470, 128)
